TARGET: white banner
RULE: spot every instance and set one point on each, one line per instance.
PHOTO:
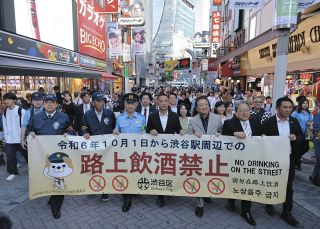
(223, 167)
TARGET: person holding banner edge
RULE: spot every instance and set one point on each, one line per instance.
(163, 121)
(242, 126)
(51, 122)
(98, 121)
(130, 122)
(282, 124)
(205, 122)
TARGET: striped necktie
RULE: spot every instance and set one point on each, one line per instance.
(247, 130)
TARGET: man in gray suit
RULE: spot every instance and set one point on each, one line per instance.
(204, 123)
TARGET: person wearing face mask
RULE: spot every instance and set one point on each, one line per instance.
(242, 125)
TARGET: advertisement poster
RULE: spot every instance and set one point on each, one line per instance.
(139, 41)
(114, 40)
(286, 13)
(210, 166)
(92, 29)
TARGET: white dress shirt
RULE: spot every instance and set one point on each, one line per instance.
(164, 120)
(99, 115)
(174, 109)
(246, 128)
(51, 115)
(86, 107)
(283, 127)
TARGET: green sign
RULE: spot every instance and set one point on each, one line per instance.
(286, 13)
(126, 70)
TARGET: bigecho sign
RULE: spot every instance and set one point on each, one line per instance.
(91, 29)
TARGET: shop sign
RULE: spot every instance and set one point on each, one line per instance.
(94, 63)
(112, 6)
(303, 50)
(201, 45)
(211, 66)
(131, 21)
(303, 4)
(215, 32)
(286, 13)
(91, 29)
(28, 48)
(246, 4)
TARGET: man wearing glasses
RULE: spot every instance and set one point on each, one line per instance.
(257, 111)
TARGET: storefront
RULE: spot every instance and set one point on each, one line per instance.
(303, 69)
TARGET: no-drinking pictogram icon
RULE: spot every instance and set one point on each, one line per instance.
(97, 183)
(216, 186)
(191, 185)
(120, 183)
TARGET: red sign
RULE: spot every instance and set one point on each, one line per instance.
(211, 67)
(215, 31)
(217, 2)
(112, 6)
(92, 29)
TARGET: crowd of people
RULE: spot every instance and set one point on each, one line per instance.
(162, 110)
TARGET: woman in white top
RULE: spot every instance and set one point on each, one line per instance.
(229, 110)
(184, 117)
(220, 110)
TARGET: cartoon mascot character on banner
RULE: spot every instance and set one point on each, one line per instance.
(58, 166)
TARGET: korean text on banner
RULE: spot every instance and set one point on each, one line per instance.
(224, 167)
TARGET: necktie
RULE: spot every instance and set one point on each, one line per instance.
(145, 113)
(246, 129)
(49, 116)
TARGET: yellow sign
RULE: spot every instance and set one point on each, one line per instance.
(223, 167)
(303, 48)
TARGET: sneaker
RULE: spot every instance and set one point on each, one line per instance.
(11, 177)
(104, 197)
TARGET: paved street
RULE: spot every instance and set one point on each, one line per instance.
(90, 212)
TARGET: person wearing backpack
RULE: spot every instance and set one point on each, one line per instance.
(11, 119)
(315, 176)
(37, 106)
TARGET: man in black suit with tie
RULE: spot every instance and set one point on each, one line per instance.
(163, 122)
(242, 126)
(146, 108)
(282, 124)
(82, 109)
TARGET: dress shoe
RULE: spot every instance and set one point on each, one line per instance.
(199, 211)
(248, 217)
(126, 207)
(230, 207)
(298, 167)
(270, 210)
(289, 219)
(207, 200)
(104, 197)
(160, 202)
(56, 213)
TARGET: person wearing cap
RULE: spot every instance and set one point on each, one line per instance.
(130, 122)
(163, 121)
(37, 106)
(11, 119)
(98, 121)
(82, 109)
(146, 108)
(50, 121)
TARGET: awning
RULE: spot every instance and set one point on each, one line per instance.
(15, 66)
(108, 76)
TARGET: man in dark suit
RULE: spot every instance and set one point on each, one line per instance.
(163, 122)
(146, 108)
(82, 109)
(242, 126)
(282, 124)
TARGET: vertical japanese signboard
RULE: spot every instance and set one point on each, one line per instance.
(91, 29)
(112, 6)
(215, 32)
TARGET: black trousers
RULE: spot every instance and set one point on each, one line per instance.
(288, 204)
(245, 205)
(56, 201)
(127, 198)
(11, 153)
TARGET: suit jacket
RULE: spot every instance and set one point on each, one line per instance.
(233, 125)
(151, 109)
(173, 124)
(214, 125)
(270, 128)
(78, 118)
